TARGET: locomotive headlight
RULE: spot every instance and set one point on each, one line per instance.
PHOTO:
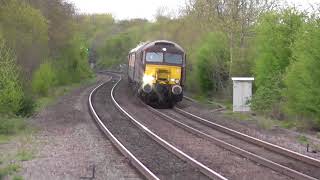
(147, 79)
(175, 80)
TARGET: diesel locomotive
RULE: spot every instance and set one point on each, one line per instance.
(157, 70)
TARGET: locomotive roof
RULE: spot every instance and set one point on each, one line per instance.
(148, 44)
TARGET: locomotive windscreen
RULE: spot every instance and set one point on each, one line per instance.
(154, 57)
(170, 58)
(173, 58)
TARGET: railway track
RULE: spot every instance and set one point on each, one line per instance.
(288, 162)
(152, 156)
(225, 162)
(264, 144)
(277, 158)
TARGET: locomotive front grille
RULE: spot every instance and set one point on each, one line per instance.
(163, 75)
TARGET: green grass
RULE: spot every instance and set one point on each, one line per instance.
(24, 155)
(238, 116)
(5, 138)
(211, 102)
(266, 123)
(12, 127)
(303, 140)
(287, 124)
(43, 102)
(9, 170)
(10, 159)
(261, 121)
(17, 177)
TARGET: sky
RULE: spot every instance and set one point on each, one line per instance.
(128, 9)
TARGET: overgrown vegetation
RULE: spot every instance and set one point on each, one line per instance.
(302, 78)
(43, 54)
(9, 170)
(11, 93)
(212, 63)
(276, 34)
(44, 79)
(41, 48)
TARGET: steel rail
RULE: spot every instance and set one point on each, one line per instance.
(221, 108)
(204, 169)
(133, 160)
(256, 158)
(253, 140)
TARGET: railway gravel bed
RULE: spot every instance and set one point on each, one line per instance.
(297, 165)
(68, 144)
(220, 160)
(275, 135)
(160, 161)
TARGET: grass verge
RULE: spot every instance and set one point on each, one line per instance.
(43, 102)
(16, 135)
(8, 170)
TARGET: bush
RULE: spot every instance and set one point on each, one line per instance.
(44, 79)
(11, 92)
(276, 33)
(26, 32)
(27, 106)
(212, 63)
(9, 125)
(116, 49)
(302, 80)
(73, 65)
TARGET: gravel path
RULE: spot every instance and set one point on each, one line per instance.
(69, 144)
(222, 161)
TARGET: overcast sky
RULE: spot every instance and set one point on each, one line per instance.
(127, 9)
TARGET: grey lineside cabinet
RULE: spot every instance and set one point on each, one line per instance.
(242, 93)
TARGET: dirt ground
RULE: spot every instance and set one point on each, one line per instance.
(70, 146)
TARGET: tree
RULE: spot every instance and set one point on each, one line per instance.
(302, 80)
(11, 93)
(212, 58)
(116, 49)
(26, 32)
(60, 16)
(276, 34)
(234, 17)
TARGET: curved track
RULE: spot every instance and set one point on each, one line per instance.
(279, 159)
(154, 157)
(298, 167)
(285, 161)
(142, 168)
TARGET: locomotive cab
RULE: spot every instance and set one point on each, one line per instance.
(163, 72)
